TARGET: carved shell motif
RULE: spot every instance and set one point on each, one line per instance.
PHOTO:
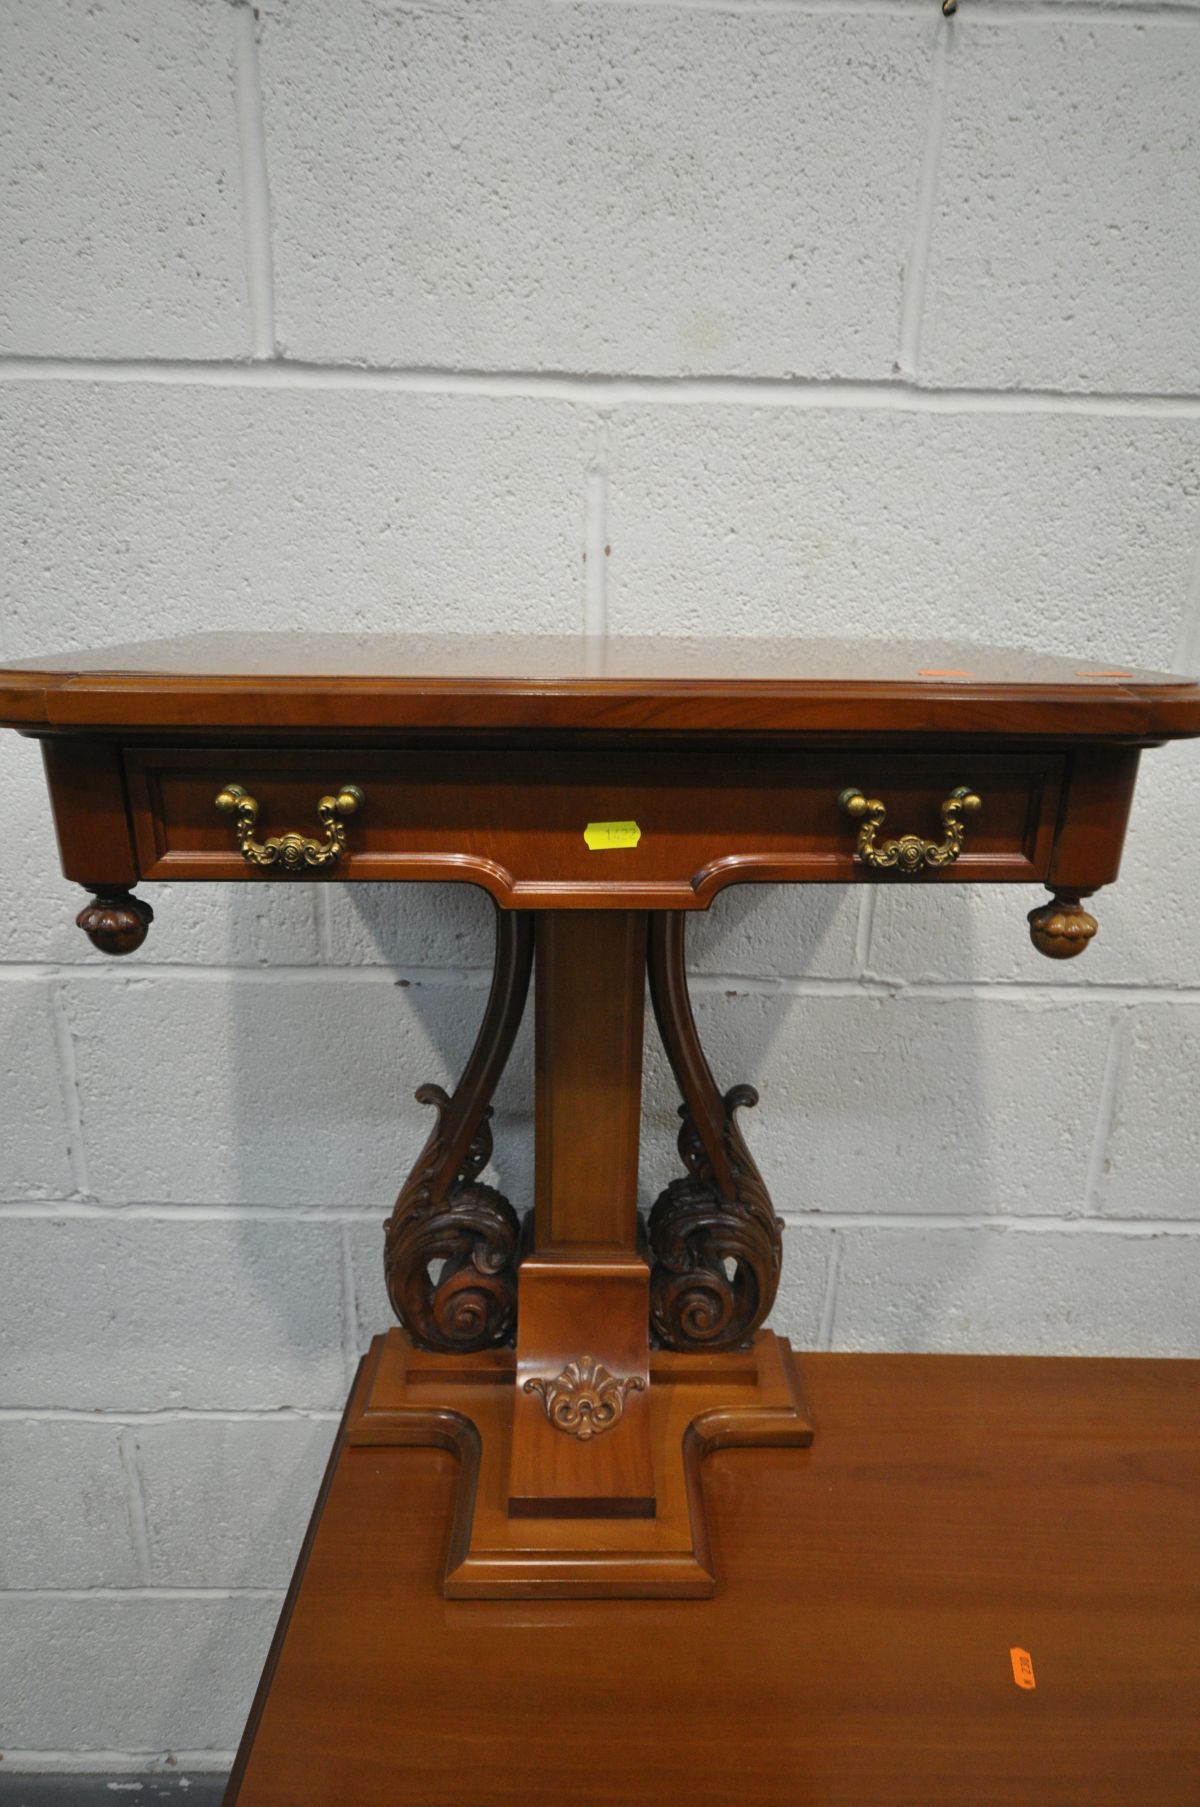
(585, 1400)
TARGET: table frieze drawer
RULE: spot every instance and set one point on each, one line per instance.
(556, 825)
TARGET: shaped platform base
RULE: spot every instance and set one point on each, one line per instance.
(698, 1403)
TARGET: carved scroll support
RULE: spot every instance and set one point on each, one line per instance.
(715, 1238)
(450, 1248)
(114, 920)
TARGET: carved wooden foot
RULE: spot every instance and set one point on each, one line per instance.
(115, 920)
(1062, 928)
(450, 1251)
(714, 1235)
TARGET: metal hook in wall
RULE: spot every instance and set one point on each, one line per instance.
(949, 8)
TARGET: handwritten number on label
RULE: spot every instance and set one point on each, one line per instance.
(601, 836)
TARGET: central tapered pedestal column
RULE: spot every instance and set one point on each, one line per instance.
(580, 1451)
(581, 1416)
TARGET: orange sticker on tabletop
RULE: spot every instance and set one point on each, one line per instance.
(1022, 1667)
(602, 835)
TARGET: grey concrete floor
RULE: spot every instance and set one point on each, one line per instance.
(110, 1791)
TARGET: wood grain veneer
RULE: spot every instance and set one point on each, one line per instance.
(339, 682)
(856, 1653)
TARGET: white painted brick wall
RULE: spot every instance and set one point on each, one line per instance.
(795, 520)
(1065, 251)
(122, 1670)
(592, 187)
(616, 315)
(226, 505)
(123, 213)
(221, 1121)
(903, 1103)
(1002, 1290)
(227, 1503)
(133, 1311)
(65, 1503)
(40, 1149)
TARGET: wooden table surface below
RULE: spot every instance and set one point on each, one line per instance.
(857, 1653)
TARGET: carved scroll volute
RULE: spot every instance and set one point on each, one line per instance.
(715, 1239)
(450, 1249)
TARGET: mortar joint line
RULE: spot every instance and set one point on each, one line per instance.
(868, 394)
(1077, 1223)
(866, 984)
(256, 192)
(135, 1500)
(916, 264)
(125, 1761)
(323, 926)
(1187, 648)
(1032, 12)
(825, 1330)
(190, 1217)
(349, 1304)
(68, 1071)
(105, 1592)
(150, 1416)
(596, 547)
(864, 933)
(1116, 1064)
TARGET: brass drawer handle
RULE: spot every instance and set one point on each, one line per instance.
(910, 853)
(294, 852)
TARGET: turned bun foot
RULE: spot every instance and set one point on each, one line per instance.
(115, 921)
(1061, 928)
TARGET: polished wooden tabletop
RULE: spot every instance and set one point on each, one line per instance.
(345, 681)
(858, 1653)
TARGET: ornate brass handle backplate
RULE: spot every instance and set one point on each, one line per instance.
(294, 852)
(910, 853)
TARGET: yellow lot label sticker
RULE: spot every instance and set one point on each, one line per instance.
(601, 836)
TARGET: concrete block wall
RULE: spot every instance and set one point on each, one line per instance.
(622, 315)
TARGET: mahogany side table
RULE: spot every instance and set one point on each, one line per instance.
(581, 1365)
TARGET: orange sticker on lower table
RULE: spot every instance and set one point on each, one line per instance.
(1022, 1667)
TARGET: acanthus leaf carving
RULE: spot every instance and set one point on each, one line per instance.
(716, 1241)
(451, 1243)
